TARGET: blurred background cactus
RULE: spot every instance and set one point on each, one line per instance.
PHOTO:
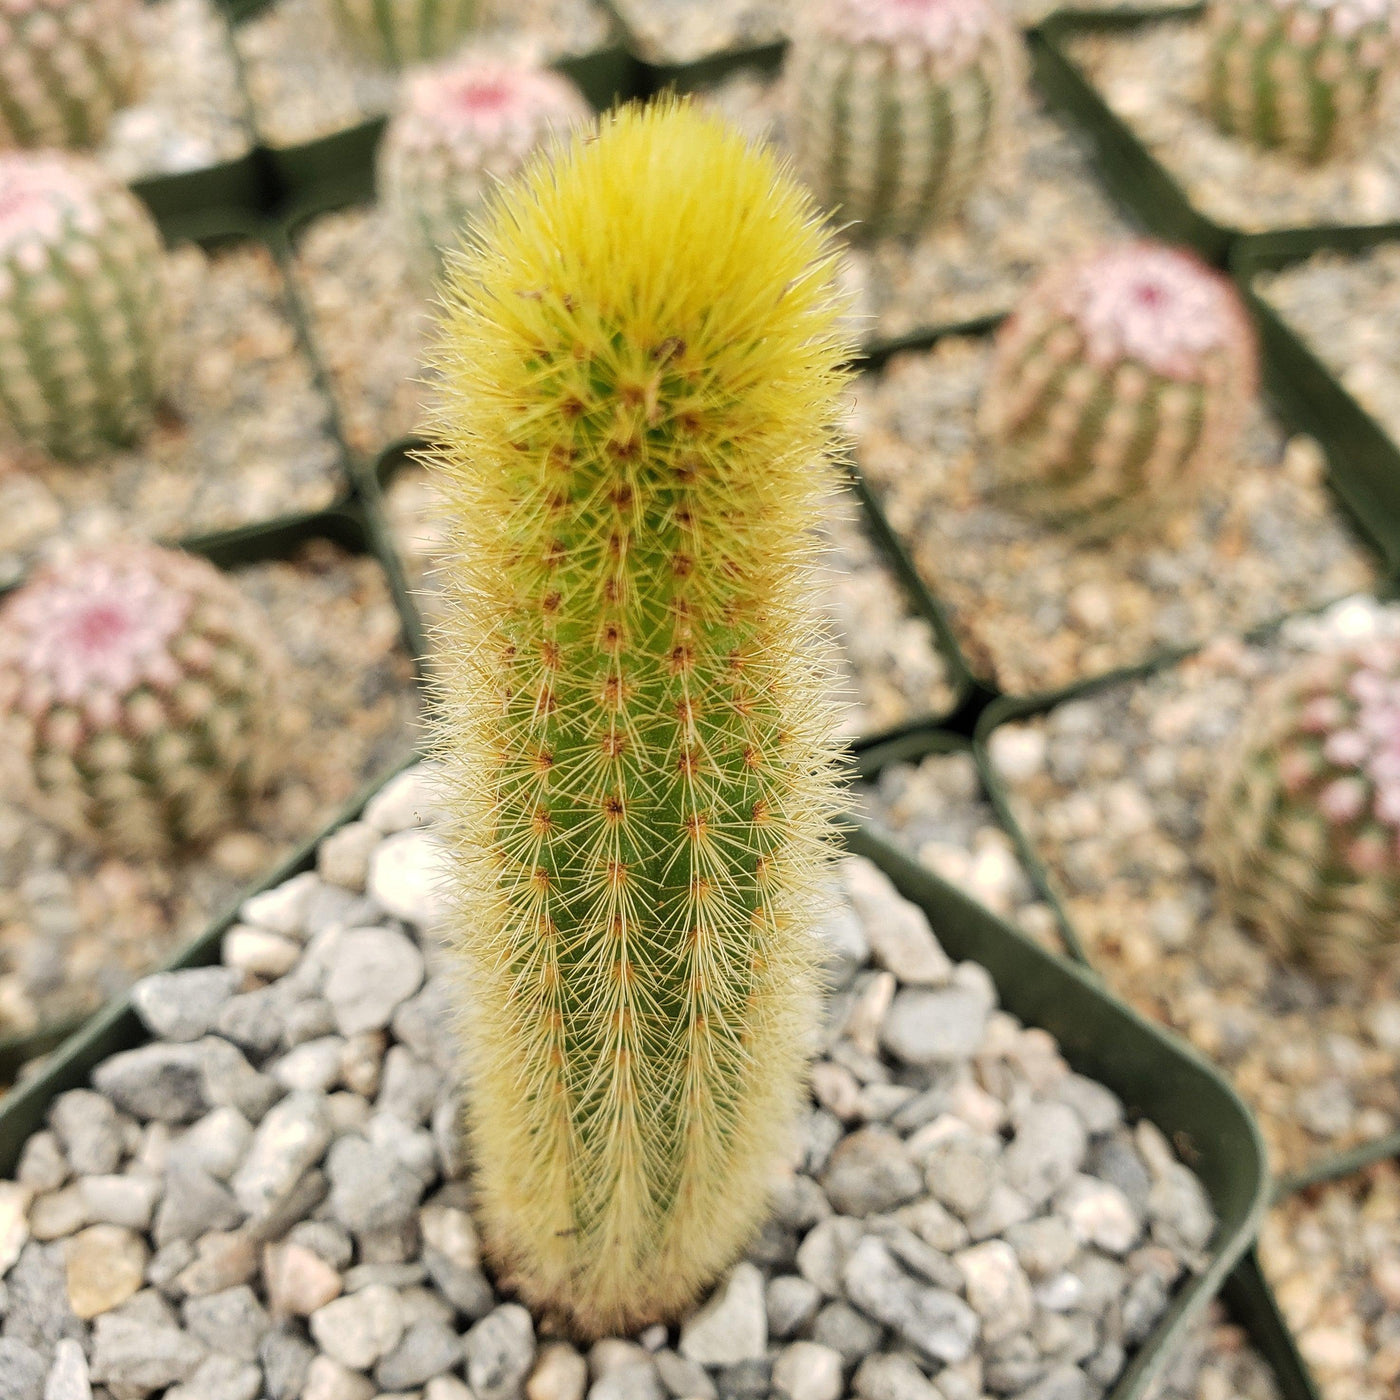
(894, 105)
(82, 304)
(463, 127)
(1119, 377)
(1304, 830)
(138, 697)
(1306, 76)
(641, 383)
(394, 33)
(65, 67)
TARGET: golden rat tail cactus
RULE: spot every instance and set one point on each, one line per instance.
(641, 360)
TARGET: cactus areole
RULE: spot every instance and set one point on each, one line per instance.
(641, 358)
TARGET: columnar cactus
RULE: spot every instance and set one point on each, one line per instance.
(82, 304)
(65, 67)
(1306, 76)
(395, 33)
(1304, 831)
(138, 697)
(641, 366)
(1120, 379)
(462, 128)
(894, 105)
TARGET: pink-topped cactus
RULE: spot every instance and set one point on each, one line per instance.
(138, 697)
(82, 304)
(894, 105)
(463, 127)
(1118, 380)
(65, 67)
(1304, 832)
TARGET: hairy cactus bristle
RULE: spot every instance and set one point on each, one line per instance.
(1304, 829)
(138, 697)
(1117, 381)
(82, 304)
(894, 105)
(1305, 76)
(641, 357)
(65, 67)
(395, 33)
(462, 128)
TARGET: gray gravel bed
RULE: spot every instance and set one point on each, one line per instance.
(244, 434)
(1110, 789)
(1036, 608)
(76, 927)
(1345, 306)
(304, 83)
(271, 1196)
(1151, 78)
(1037, 203)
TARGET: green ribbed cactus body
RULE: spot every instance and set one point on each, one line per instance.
(462, 128)
(1304, 76)
(1304, 829)
(641, 366)
(395, 33)
(894, 106)
(82, 305)
(65, 67)
(138, 697)
(1117, 382)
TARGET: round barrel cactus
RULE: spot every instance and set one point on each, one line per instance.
(1120, 377)
(138, 697)
(395, 33)
(463, 127)
(1304, 76)
(82, 304)
(894, 105)
(1304, 830)
(65, 67)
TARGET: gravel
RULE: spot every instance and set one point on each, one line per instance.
(244, 434)
(341, 1209)
(1150, 77)
(76, 927)
(1036, 608)
(1110, 790)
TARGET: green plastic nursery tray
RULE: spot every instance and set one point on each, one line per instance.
(1309, 394)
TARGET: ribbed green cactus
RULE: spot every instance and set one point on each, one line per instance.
(82, 304)
(1304, 829)
(1306, 76)
(462, 128)
(894, 105)
(640, 359)
(138, 697)
(1119, 380)
(395, 33)
(65, 67)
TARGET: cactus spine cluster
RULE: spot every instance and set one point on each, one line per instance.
(1305, 76)
(65, 67)
(396, 33)
(462, 128)
(1117, 381)
(82, 304)
(641, 367)
(138, 697)
(894, 106)
(1304, 831)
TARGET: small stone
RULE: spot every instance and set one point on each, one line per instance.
(343, 857)
(21, 1371)
(792, 1303)
(406, 800)
(14, 1222)
(893, 1377)
(844, 946)
(560, 1373)
(425, 1350)
(42, 1165)
(290, 1139)
(843, 1329)
(685, 1380)
(258, 1021)
(111, 1200)
(130, 1353)
(257, 952)
(373, 971)
(192, 1204)
(68, 1376)
(870, 1172)
(925, 1027)
(500, 1351)
(220, 1378)
(183, 1005)
(732, 1326)
(997, 1289)
(1098, 1107)
(106, 1265)
(1099, 1214)
(1048, 1149)
(327, 1379)
(283, 908)
(223, 1259)
(232, 1321)
(807, 1371)
(59, 1213)
(298, 1280)
(821, 1257)
(1180, 1210)
(447, 1388)
(357, 1330)
(937, 1226)
(86, 1124)
(961, 1172)
(405, 877)
(286, 1359)
(313, 1066)
(935, 1321)
(899, 933)
(1062, 1383)
(638, 1380)
(612, 1353)
(370, 1188)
